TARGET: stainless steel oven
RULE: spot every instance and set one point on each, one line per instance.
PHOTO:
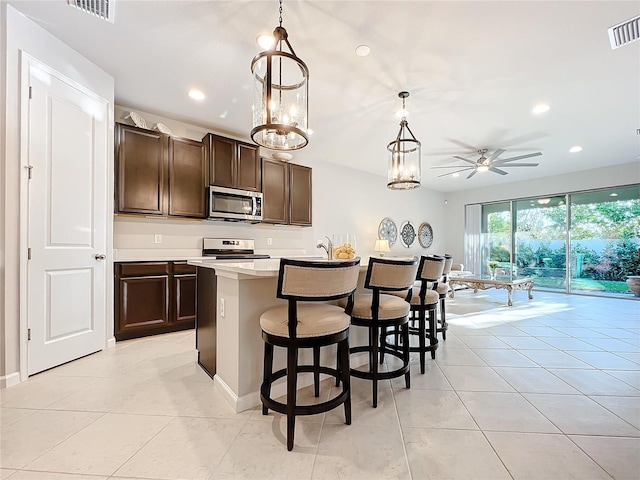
(234, 204)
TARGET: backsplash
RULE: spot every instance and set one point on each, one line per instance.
(138, 235)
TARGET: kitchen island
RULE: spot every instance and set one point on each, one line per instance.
(240, 292)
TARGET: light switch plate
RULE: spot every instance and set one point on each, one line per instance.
(157, 238)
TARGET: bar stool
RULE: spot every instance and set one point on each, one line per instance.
(423, 299)
(379, 311)
(304, 322)
(443, 289)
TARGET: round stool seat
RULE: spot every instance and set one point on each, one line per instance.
(431, 297)
(314, 320)
(391, 307)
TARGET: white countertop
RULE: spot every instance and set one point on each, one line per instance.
(262, 267)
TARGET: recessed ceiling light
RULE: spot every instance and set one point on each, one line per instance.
(196, 94)
(575, 149)
(265, 41)
(540, 108)
(363, 50)
(455, 175)
(613, 194)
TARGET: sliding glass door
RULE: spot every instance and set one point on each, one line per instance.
(540, 240)
(605, 246)
(586, 242)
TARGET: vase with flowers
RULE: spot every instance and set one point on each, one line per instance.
(493, 266)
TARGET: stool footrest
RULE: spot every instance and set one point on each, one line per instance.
(311, 409)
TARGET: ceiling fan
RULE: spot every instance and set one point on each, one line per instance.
(491, 163)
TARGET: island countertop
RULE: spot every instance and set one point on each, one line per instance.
(261, 267)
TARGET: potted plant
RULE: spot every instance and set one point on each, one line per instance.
(493, 265)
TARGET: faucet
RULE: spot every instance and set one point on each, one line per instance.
(327, 248)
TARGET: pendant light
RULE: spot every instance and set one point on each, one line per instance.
(404, 156)
(281, 95)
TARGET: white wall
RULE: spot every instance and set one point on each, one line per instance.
(345, 201)
(24, 35)
(619, 175)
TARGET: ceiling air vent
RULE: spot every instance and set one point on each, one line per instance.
(625, 32)
(100, 8)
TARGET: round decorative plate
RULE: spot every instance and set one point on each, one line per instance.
(162, 128)
(425, 235)
(387, 230)
(407, 234)
(137, 119)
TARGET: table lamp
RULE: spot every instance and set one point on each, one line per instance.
(381, 246)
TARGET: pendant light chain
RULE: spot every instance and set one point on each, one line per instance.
(281, 13)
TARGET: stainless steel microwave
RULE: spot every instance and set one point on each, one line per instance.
(234, 204)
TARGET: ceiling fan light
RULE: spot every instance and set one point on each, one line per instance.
(483, 168)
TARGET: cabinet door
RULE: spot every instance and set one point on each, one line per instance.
(141, 170)
(275, 191)
(248, 167)
(220, 153)
(184, 293)
(300, 195)
(143, 305)
(187, 178)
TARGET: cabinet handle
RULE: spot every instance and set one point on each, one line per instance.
(99, 256)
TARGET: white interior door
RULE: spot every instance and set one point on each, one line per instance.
(67, 220)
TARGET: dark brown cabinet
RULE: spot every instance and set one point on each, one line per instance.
(232, 163)
(286, 190)
(153, 297)
(159, 175)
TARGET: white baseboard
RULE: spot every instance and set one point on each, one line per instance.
(111, 342)
(10, 380)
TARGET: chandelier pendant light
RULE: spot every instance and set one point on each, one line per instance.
(281, 95)
(404, 156)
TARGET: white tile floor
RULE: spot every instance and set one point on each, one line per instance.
(549, 388)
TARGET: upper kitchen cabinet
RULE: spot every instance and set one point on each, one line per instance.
(286, 190)
(141, 171)
(159, 175)
(232, 163)
(299, 195)
(187, 178)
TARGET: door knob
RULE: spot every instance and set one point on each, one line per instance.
(99, 256)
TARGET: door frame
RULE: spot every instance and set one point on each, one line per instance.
(26, 61)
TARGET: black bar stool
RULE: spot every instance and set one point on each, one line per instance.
(378, 311)
(301, 324)
(443, 289)
(423, 299)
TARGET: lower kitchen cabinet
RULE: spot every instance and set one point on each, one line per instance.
(153, 297)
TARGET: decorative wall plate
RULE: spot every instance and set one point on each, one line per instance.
(162, 128)
(387, 230)
(138, 121)
(407, 234)
(425, 235)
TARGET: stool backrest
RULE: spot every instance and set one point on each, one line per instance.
(389, 275)
(448, 261)
(431, 268)
(317, 281)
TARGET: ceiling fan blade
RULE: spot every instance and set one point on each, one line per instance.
(457, 171)
(495, 155)
(451, 166)
(517, 165)
(472, 174)
(497, 170)
(464, 160)
(528, 155)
